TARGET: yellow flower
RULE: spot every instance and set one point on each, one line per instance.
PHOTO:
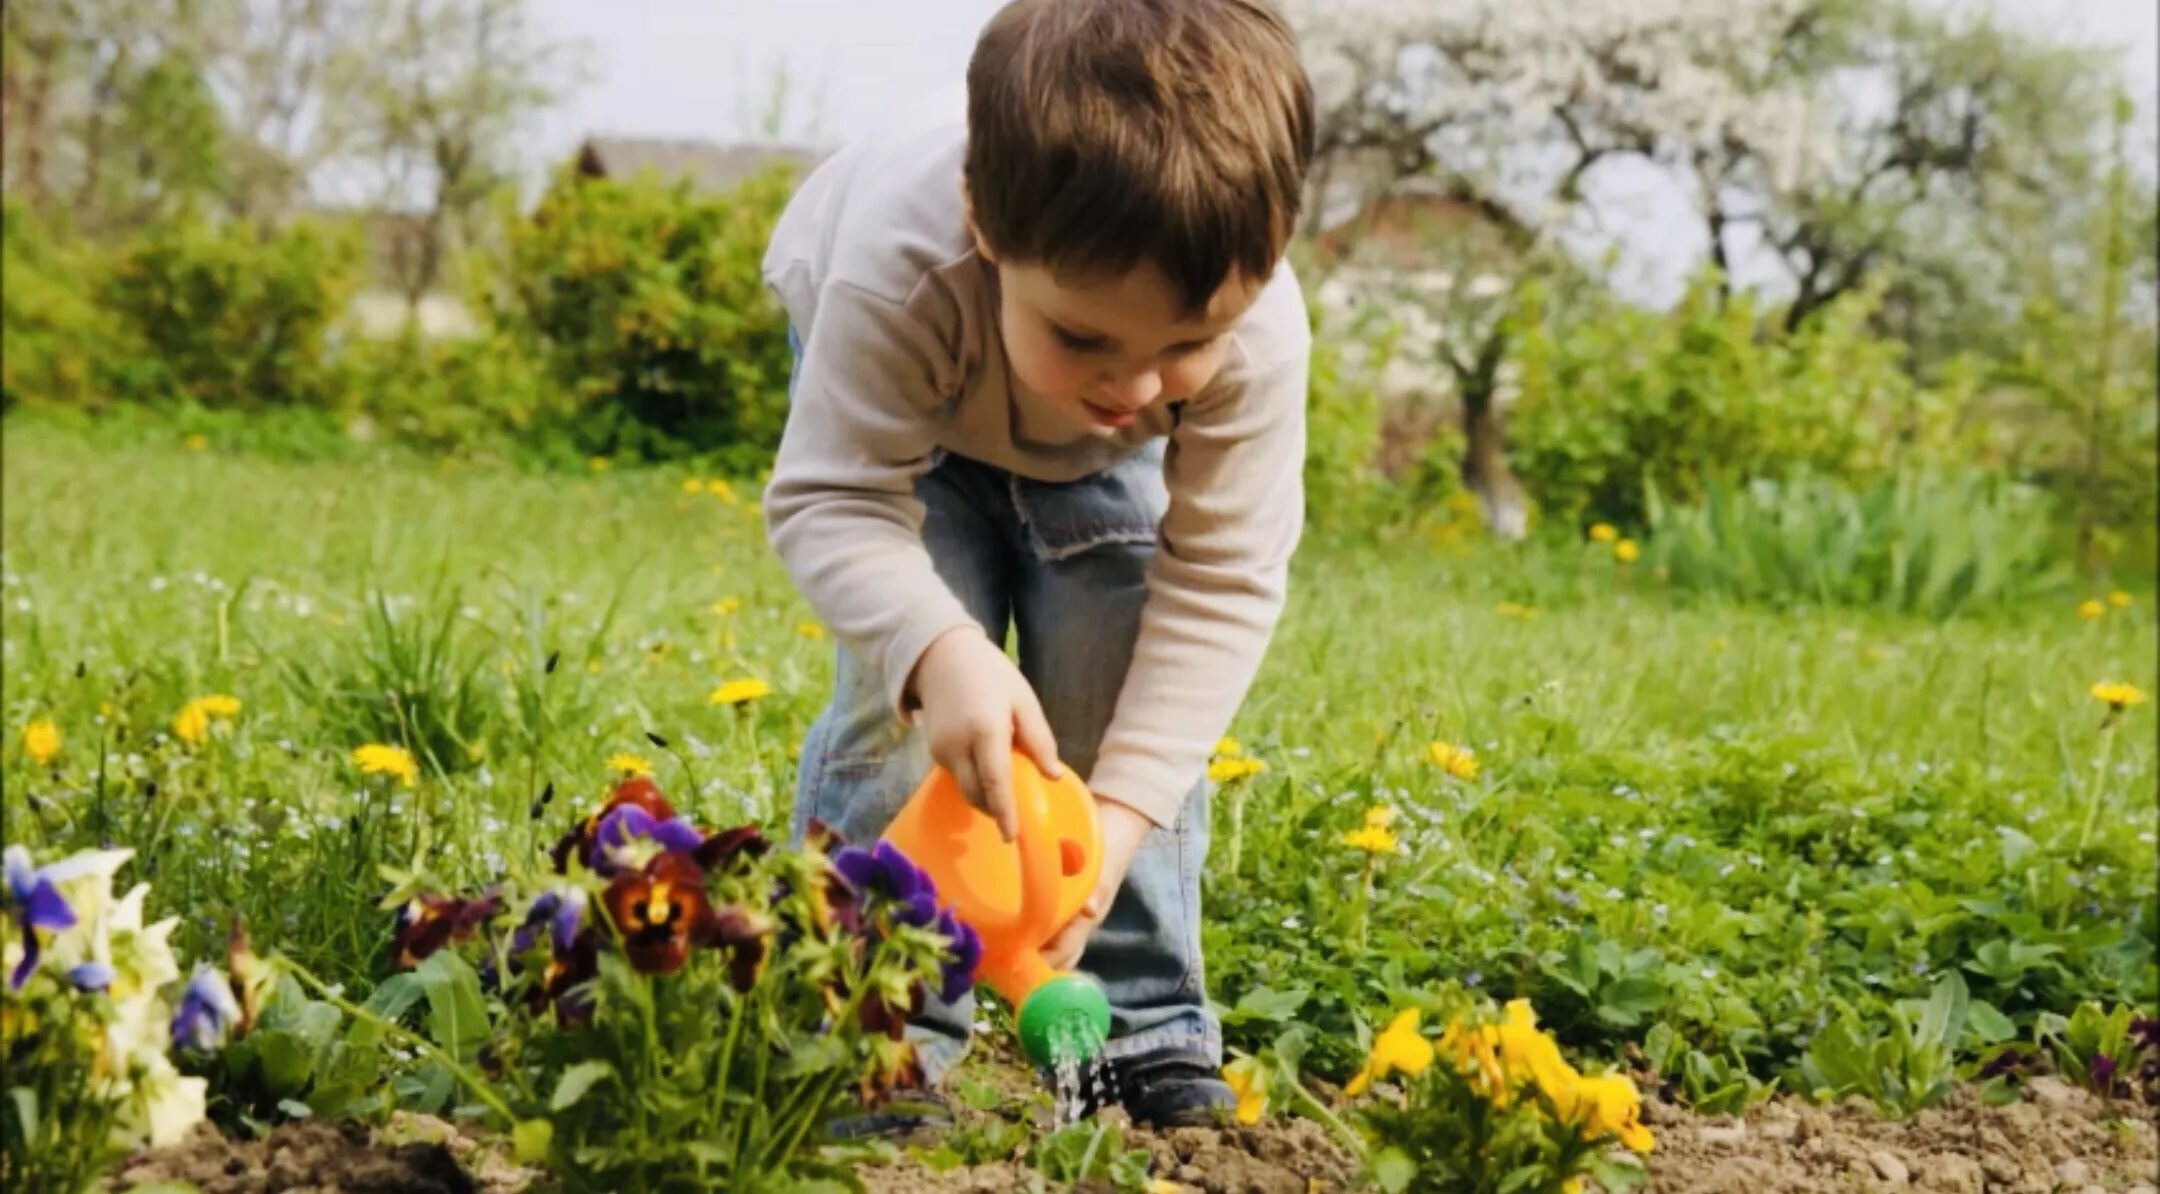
(722, 490)
(1531, 1056)
(691, 485)
(1457, 761)
(1228, 748)
(598, 464)
(195, 443)
(628, 764)
(1373, 839)
(1611, 1107)
(1248, 1080)
(1626, 552)
(1225, 771)
(1509, 609)
(394, 761)
(41, 741)
(1603, 532)
(192, 724)
(2119, 599)
(1401, 1047)
(2117, 695)
(1379, 816)
(740, 692)
(725, 606)
(810, 630)
(2091, 609)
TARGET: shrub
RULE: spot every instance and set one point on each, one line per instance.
(228, 315)
(1927, 543)
(55, 339)
(647, 307)
(1624, 400)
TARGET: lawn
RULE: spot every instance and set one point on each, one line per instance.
(1718, 842)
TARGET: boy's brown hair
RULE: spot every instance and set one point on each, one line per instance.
(1104, 133)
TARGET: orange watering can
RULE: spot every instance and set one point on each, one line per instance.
(1017, 894)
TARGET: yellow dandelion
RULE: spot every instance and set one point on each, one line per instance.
(195, 443)
(1379, 816)
(598, 464)
(1510, 609)
(722, 490)
(1402, 1047)
(2091, 609)
(740, 692)
(2119, 599)
(2116, 695)
(628, 764)
(810, 630)
(1603, 532)
(1457, 761)
(192, 724)
(1626, 552)
(1375, 840)
(1248, 1080)
(1228, 748)
(725, 606)
(396, 762)
(1228, 771)
(692, 486)
(41, 741)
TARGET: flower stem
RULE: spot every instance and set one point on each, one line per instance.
(1320, 1111)
(2099, 781)
(479, 1086)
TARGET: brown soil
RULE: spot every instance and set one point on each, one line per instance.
(413, 1154)
(2056, 1140)
(303, 1158)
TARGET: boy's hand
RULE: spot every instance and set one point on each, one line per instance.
(975, 706)
(1122, 832)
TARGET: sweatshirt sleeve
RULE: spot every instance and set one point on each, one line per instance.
(840, 508)
(1215, 589)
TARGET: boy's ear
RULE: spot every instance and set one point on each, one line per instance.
(967, 211)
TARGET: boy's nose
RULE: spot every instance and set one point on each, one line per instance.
(1132, 391)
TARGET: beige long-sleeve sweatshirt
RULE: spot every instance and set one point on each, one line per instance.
(902, 356)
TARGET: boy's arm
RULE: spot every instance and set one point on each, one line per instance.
(1235, 472)
(841, 509)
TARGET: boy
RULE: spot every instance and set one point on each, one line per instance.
(1051, 376)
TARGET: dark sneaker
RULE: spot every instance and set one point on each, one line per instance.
(904, 1114)
(1173, 1089)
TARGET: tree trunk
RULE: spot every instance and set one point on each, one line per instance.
(1484, 468)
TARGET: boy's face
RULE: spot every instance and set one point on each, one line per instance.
(1105, 349)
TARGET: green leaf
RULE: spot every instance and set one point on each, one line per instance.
(1393, 1170)
(395, 996)
(530, 1141)
(1266, 1005)
(26, 1109)
(1623, 1003)
(457, 1016)
(285, 1061)
(576, 1081)
(1944, 1020)
(1986, 1024)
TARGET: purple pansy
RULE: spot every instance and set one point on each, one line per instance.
(2101, 1073)
(959, 973)
(207, 1010)
(34, 903)
(2145, 1032)
(560, 912)
(886, 872)
(629, 823)
(92, 976)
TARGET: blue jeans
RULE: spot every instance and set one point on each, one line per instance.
(1064, 566)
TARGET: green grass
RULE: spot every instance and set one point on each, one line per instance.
(1733, 823)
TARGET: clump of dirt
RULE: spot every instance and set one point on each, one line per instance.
(303, 1158)
(2057, 1138)
(1279, 1156)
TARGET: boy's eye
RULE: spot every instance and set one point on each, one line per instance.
(1075, 342)
(1189, 347)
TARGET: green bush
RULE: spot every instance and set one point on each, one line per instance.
(1932, 544)
(649, 313)
(228, 315)
(54, 337)
(1621, 400)
(464, 396)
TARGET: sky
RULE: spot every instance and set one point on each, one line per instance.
(703, 69)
